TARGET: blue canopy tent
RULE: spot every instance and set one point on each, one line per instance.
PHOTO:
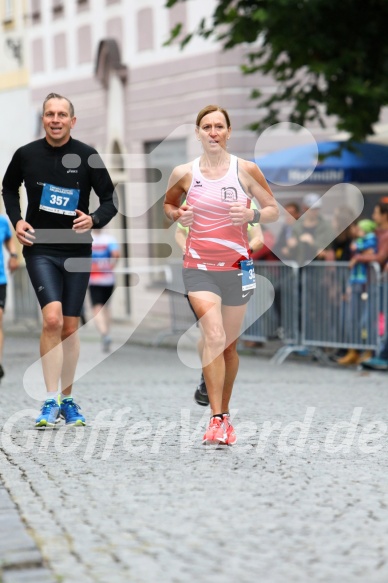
(364, 163)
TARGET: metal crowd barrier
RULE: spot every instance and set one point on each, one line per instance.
(26, 307)
(334, 312)
(315, 307)
(337, 313)
(383, 316)
(281, 320)
(181, 316)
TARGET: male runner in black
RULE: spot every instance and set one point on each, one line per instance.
(59, 173)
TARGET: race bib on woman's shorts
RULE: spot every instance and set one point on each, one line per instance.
(248, 280)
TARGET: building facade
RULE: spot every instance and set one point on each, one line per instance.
(136, 101)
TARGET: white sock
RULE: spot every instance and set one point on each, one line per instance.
(52, 395)
(65, 396)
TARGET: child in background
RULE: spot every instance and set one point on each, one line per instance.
(365, 242)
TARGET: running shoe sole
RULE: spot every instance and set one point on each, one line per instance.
(77, 423)
(43, 424)
(214, 442)
(201, 399)
(383, 367)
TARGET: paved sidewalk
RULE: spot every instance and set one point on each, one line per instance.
(20, 559)
(134, 496)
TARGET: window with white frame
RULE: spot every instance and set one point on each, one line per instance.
(8, 10)
(35, 11)
(57, 7)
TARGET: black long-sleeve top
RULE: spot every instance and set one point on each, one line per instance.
(70, 168)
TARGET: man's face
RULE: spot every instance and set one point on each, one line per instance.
(310, 215)
(293, 212)
(57, 121)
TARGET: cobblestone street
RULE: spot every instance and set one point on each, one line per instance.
(134, 496)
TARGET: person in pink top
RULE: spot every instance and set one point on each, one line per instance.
(105, 254)
(217, 270)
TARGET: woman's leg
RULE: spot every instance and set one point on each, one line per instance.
(207, 307)
(233, 317)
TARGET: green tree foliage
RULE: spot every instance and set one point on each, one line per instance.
(328, 57)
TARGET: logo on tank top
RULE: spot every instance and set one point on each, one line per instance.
(229, 194)
(197, 183)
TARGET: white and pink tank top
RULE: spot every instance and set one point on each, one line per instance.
(213, 243)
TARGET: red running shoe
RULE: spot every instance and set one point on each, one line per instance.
(216, 433)
(230, 432)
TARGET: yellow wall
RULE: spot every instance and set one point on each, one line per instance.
(13, 79)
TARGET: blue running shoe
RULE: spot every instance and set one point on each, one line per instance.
(49, 414)
(70, 413)
(375, 364)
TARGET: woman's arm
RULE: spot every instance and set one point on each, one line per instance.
(255, 184)
(178, 184)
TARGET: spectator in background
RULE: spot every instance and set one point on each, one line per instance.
(281, 251)
(13, 264)
(366, 243)
(311, 235)
(291, 215)
(343, 223)
(380, 216)
(261, 242)
(105, 253)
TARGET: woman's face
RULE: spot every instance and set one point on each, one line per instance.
(377, 215)
(213, 132)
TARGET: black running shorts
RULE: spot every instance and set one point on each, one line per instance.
(53, 283)
(226, 284)
(3, 295)
(100, 294)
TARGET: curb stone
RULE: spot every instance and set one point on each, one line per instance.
(20, 559)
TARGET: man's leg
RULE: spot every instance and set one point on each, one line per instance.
(100, 298)
(70, 347)
(70, 343)
(99, 316)
(52, 359)
(50, 345)
(74, 290)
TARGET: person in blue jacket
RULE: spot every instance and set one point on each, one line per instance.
(13, 264)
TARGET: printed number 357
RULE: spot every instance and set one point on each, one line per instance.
(59, 200)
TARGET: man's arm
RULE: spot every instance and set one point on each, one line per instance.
(105, 190)
(12, 181)
(13, 262)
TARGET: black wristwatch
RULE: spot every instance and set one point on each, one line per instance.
(95, 219)
(256, 217)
